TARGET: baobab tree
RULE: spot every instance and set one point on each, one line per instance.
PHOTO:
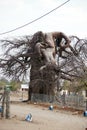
(48, 63)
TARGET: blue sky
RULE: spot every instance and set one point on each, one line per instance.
(70, 18)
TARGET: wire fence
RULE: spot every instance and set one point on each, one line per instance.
(73, 101)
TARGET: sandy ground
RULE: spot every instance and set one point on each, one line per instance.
(43, 119)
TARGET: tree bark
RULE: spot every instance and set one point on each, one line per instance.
(41, 81)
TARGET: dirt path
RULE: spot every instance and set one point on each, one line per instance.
(43, 119)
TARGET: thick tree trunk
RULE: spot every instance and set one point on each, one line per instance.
(41, 82)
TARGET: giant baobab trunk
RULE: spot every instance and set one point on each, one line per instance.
(41, 81)
(42, 74)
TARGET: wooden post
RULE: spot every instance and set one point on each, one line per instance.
(86, 99)
(3, 104)
(6, 100)
(7, 95)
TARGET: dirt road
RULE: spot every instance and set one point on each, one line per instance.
(43, 119)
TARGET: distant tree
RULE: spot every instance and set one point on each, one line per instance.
(81, 83)
(66, 85)
(3, 82)
(76, 86)
(14, 85)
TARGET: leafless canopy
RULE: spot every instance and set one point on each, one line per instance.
(20, 53)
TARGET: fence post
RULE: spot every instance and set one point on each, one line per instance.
(86, 100)
(7, 96)
(3, 104)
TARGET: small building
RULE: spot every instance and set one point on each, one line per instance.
(24, 87)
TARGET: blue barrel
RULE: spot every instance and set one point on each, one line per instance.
(0, 108)
(51, 107)
(29, 117)
(85, 113)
